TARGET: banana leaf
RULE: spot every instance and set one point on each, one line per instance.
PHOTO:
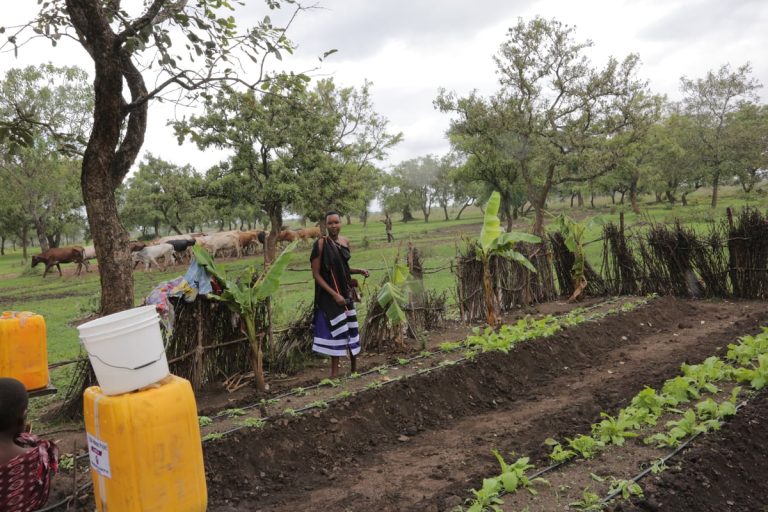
(271, 280)
(491, 224)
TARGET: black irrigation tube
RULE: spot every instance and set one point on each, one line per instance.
(663, 460)
(637, 477)
(378, 369)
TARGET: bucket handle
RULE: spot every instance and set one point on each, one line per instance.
(127, 368)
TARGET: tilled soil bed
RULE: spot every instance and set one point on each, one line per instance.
(724, 470)
(421, 443)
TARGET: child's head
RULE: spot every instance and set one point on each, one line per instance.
(13, 405)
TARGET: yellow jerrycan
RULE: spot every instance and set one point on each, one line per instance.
(23, 348)
(145, 449)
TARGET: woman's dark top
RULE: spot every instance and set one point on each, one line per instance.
(334, 264)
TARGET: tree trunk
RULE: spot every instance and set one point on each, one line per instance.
(633, 198)
(40, 232)
(572, 197)
(592, 200)
(156, 227)
(24, 233)
(683, 199)
(580, 198)
(109, 238)
(621, 199)
(257, 354)
(276, 222)
(715, 186)
(458, 215)
(670, 197)
(445, 211)
(407, 215)
(490, 302)
(176, 229)
(106, 160)
(2, 246)
(613, 197)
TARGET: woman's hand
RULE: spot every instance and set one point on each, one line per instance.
(365, 272)
(339, 299)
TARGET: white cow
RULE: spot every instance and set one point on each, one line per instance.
(150, 254)
(219, 242)
(88, 254)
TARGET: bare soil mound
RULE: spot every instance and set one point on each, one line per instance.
(421, 443)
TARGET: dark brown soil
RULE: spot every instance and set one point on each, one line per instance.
(420, 444)
(725, 470)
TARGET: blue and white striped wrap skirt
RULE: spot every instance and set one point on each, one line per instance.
(333, 337)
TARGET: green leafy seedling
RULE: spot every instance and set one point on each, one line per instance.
(613, 430)
(253, 422)
(67, 461)
(213, 436)
(585, 446)
(627, 488)
(589, 502)
(487, 497)
(558, 453)
(299, 391)
(204, 421)
(513, 475)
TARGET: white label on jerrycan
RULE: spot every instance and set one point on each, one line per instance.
(98, 452)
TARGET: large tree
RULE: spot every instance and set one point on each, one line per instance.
(710, 101)
(161, 193)
(263, 130)
(44, 169)
(189, 46)
(560, 108)
(336, 165)
(484, 131)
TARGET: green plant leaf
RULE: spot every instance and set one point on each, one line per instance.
(491, 224)
(271, 280)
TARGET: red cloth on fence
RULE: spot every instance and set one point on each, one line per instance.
(26, 479)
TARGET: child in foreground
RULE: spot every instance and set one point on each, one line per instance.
(27, 463)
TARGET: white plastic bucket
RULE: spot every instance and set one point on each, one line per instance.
(126, 349)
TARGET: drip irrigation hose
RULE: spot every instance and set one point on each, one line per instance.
(663, 460)
(392, 366)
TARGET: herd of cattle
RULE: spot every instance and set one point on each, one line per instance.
(175, 248)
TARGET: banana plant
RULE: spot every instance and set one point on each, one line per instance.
(244, 295)
(495, 241)
(392, 296)
(573, 236)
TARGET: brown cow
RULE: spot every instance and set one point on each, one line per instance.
(306, 233)
(58, 255)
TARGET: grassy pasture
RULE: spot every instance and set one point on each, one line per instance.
(63, 300)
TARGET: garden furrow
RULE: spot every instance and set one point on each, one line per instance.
(421, 444)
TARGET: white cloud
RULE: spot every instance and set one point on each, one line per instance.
(410, 48)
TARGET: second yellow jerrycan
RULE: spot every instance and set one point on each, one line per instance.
(23, 348)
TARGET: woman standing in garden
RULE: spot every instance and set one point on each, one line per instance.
(335, 319)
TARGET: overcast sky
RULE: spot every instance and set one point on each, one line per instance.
(409, 49)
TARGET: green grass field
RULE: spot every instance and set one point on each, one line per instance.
(63, 301)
